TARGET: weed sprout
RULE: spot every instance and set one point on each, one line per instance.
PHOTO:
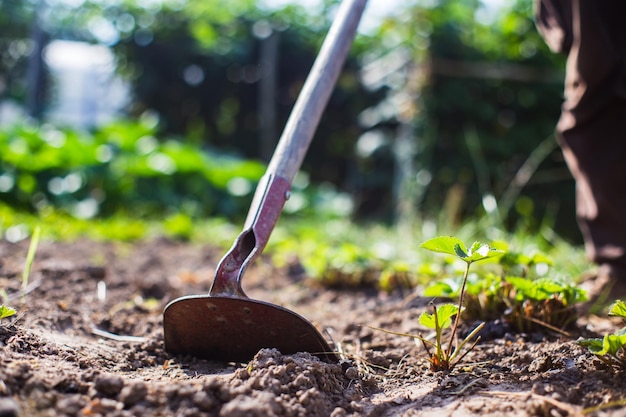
(446, 357)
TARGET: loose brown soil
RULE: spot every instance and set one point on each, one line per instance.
(77, 350)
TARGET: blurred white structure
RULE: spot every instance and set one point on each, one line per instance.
(85, 89)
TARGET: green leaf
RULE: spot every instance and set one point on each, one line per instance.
(479, 251)
(454, 246)
(445, 288)
(460, 251)
(594, 345)
(446, 244)
(610, 344)
(618, 309)
(524, 288)
(541, 258)
(6, 311)
(545, 288)
(444, 317)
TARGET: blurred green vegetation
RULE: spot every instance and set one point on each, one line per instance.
(120, 168)
(437, 109)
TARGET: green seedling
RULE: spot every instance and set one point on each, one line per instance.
(524, 303)
(610, 348)
(30, 256)
(447, 358)
(542, 302)
(441, 319)
(6, 311)
(442, 357)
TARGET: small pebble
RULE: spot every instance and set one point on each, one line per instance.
(109, 386)
(133, 393)
(352, 373)
(204, 401)
(338, 412)
(9, 407)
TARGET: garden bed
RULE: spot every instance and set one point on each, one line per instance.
(87, 340)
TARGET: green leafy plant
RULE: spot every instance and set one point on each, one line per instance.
(439, 320)
(610, 348)
(525, 302)
(447, 358)
(120, 165)
(542, 302)
(444, 357)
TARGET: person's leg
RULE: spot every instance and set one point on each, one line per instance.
(592, 134)
(596, 155)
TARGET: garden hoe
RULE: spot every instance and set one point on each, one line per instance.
(226, 325)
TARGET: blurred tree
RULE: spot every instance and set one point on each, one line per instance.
(488, 94)
(199, 67)
(16, 45)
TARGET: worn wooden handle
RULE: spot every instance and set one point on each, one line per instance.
(305, 116)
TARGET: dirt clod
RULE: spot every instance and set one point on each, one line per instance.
(109, 385)
(133, 393)
(9, 407)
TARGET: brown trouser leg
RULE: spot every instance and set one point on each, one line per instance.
(596, 155)
(592, 127)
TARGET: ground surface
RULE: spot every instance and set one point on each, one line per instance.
(88, 341)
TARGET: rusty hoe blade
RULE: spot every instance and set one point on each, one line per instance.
(233, 329)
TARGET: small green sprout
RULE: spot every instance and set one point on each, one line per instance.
(441, 319)
(446, 358)
(30, 256)
(610, 348)
(477, 252)
(6, 311)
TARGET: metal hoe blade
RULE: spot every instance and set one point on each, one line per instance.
(231, 329)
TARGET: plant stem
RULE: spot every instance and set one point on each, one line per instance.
(30, 257)
(457, 319)
(438, 331)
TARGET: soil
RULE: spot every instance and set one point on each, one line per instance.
(88, 341)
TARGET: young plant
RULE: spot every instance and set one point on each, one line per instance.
(517, 295)
(541, 303)
(6, 311)
(442, 357)
(453, 246)
(441, 319)
(526, 304)
(611, 348)
(446, 358)
(30, 256)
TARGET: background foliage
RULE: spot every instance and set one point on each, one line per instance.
(434, 115)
